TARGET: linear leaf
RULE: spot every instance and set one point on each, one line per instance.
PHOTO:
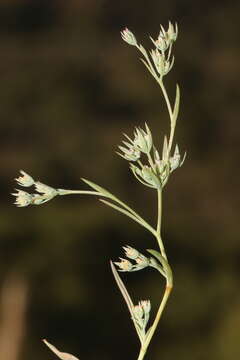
(60, 354)
(126, 297)
(176, 105)
(157, 255)
(118, 208)
(100, 189)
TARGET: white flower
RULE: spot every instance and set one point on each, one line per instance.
(146, 305)
(22, 198)
(25, 180)
(124, 265)
(130, 252)
(129, 37)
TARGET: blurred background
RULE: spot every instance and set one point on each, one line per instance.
(69, 88)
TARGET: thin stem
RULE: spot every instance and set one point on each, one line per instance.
(130, 212)
(168, 288)
(166, 98)
(159, 223)
(155, 323)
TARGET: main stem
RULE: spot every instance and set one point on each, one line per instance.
(168, 287)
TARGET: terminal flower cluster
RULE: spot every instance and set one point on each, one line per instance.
(161, 54)
(43, 193)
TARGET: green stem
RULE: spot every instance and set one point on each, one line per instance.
(159, 223)
(155, 323)
(130, 212)
(168, 287)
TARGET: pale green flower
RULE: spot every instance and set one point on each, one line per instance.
(124, 265)
(23, 198)
(130, 153)
(128, 37)
(25, 180)
(176, 161)
(143, 139)
(131, 253)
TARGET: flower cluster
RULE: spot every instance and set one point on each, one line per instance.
(142, 143)
(163, 47)
(154, 174)
(141, 261)
(141, 313)
(43, 192)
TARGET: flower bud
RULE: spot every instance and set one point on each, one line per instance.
(124, 265)
(23, 198)
(131, 253)
(128, 37)
(146, 306)
(143, 139)
(25, 180)
(172, 33)
(138, 312)
(176, 161)
(130, 154)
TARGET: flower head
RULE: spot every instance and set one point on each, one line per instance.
(124, 265)
(128, 37)
(23, 198)
(129, 153)
(24, 180)
(172, 33)
(143, 139)
(141, 313)
(131, 253)
(176, 161)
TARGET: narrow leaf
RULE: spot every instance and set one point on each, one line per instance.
(176, 105)
(157, 255)
(61, 355)
(121, 210)
(100, 189)
(165, 149)
(127, 299)
(147, 66)
(122, 288)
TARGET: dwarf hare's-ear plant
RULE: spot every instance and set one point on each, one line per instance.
(151, 168)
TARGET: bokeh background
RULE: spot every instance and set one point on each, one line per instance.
(69, 88)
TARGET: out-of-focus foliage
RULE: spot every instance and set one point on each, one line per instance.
(69, 88)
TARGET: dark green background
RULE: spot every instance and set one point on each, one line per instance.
(69, 88)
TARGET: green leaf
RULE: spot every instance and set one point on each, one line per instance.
(156, 254)
(101, 190)
(127, 299)
(165, 149)
(121, 210)
(147, 66)
(176, 105)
